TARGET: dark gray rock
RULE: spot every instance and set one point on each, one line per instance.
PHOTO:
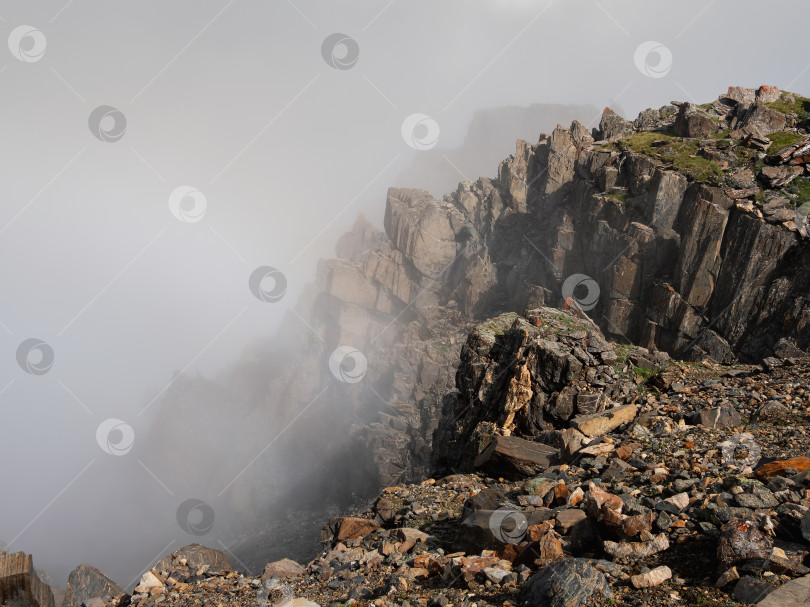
(86, 582)
(612, 125)
(751, 590)
(568, 583)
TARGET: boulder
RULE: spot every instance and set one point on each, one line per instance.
(779, 467)
(740, 541)
(568, 583)
(722, 417)
(653, 577)
(492, 529)
(751, 590)
(761, 121)
(795, 593)
(86, 582)
(612, 125)
(637, 550)
(195, 556)
(692, 122)
(20, 585)
(515, 458)
(283, 569)
(602, 423)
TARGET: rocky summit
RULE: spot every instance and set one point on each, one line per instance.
(581, 382)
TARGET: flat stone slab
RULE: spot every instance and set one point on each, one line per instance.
(513, 457)
(795, 593)
(597, 424)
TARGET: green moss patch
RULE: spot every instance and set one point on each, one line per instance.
(791, 103)
(678, 152)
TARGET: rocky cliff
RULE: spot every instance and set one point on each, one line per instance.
(682, 232)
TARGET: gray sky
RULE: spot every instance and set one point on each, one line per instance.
(235, 99)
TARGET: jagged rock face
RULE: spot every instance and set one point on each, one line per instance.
(668, 260)
(524, 376)
(681, 265)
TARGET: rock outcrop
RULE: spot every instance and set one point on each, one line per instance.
(86, 582)
(20, 585)
(680, 232)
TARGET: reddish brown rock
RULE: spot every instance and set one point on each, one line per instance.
(777, 468)
(352, 527)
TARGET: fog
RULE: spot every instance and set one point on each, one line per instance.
(136, 288)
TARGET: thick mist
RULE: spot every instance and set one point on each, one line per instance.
(236, 135)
